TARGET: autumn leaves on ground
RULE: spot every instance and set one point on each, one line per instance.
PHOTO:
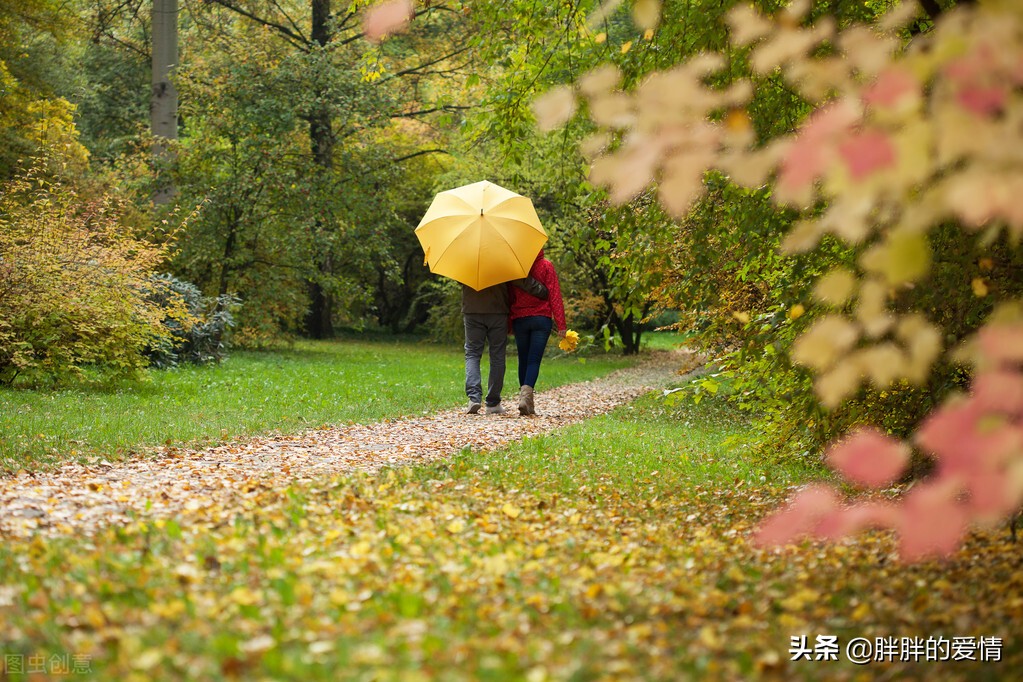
(616, 548)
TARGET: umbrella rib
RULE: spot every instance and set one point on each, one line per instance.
(512, 249)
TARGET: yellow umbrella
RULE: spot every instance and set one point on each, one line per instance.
(481, 234)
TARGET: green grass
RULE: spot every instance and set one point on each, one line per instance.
(646, 447)
(314, 384)
(661, 340)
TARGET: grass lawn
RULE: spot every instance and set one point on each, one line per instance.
(616, 549)
(644, 448)
(316, 383)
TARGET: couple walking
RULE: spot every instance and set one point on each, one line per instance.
(532, 307)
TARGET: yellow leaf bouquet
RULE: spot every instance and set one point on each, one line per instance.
(570, 342)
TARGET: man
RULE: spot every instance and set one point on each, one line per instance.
(485, 315)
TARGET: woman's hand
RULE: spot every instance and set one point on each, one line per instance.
(561, 333)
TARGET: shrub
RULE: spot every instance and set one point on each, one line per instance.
(198, 337)
(72, 283)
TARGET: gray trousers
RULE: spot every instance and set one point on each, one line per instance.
(491, 329)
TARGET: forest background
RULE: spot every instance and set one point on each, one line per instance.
(282, 199)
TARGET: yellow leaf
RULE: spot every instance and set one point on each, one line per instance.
(796, 311)
(148, 659)
(799, 600)
(626, 47)
(511, 510)
(883, 363)
(554, 108)
(646, 13)
(872, 308)
(339, 597)
(171, 609)
(904, 257)
(243, 596)
(606, 559)
(979, 286)
(600, 37)
(709, 638)
(836, 287)
(839, 383)
(824, 342)
(456, 526)
(734, 573)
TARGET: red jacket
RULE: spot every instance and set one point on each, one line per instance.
(527, 305)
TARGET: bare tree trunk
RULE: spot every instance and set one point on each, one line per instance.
(164, 101)
(319, 320)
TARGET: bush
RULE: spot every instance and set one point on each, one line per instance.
(72, 283)
(198, 337)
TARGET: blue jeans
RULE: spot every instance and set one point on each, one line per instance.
(531, 334)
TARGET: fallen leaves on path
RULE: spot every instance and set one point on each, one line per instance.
(422, 575)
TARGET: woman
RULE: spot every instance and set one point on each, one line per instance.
(532, 320)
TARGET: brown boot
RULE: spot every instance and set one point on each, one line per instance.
(526, 400)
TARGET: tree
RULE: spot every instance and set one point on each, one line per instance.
(164, 95)
(33, 117)
(345, 91)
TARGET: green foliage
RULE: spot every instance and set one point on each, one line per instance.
(198, 337)
(72, 285)
(32, 117)
(310, 168)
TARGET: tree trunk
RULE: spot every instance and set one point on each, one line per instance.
(164, 100)
(319, 321)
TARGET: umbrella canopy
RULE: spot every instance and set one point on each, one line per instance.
(481, 234)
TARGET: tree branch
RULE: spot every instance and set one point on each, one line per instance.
(421, 112)
(296, 37)
(420, 153)
(419, 68)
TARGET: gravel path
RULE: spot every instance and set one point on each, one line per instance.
(80, 499)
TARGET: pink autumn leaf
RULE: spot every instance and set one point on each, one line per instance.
(968, 68)
(892, 86)
(999, 391)
(991, 496)
(957, 435)
(803, 164)
(809, 154)
(866, 152)
(387, 18)
(981, 100)
(869, 458)
(1002, 342)
(932, 522)
(830, 121)
(851, 520)
(799, 517)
